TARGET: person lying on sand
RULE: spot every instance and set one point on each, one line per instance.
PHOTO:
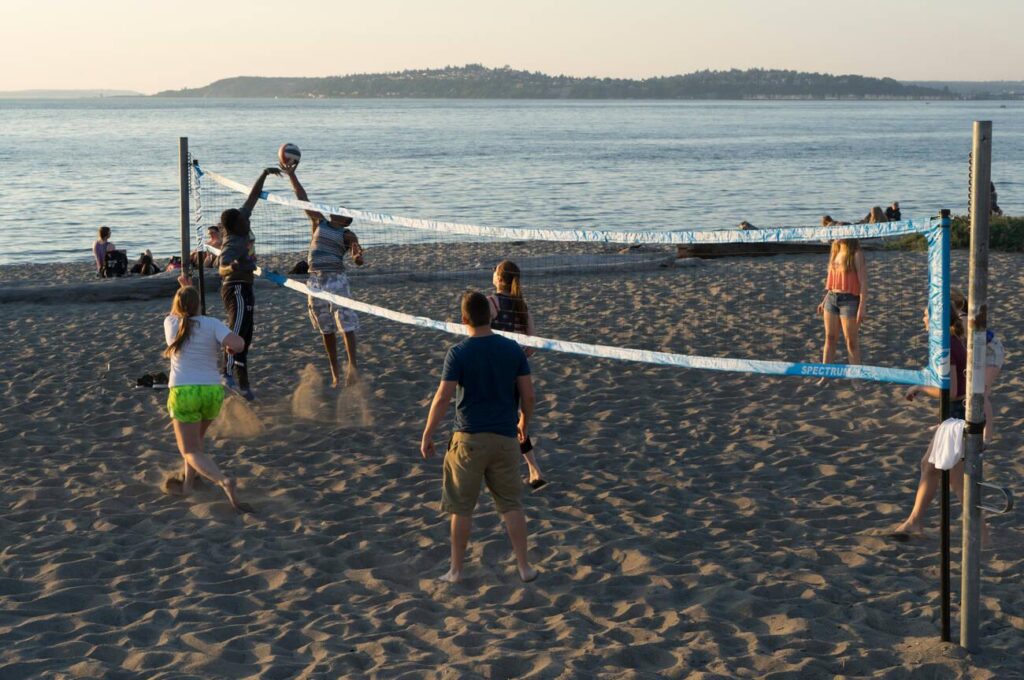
(194, 344)
(489, 376)
(930, 475)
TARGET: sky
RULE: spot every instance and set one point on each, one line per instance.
(153, 45)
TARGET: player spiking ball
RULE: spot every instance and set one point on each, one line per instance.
(330, 242)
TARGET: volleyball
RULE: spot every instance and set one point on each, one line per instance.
(289, 154)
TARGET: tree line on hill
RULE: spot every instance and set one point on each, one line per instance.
(479, 82)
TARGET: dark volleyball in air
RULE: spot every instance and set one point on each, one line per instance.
(289, 154)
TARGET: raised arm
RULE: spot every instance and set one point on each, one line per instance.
(300, 193)
(257, 189)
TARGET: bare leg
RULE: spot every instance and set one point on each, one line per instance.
(331, 345)
(925, 493)
(460, 526)
(190, 444)
(828, 352)
(851, 331)
(352, 371)
(515, 524)
(991, 374)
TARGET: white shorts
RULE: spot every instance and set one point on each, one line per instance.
(328, 317)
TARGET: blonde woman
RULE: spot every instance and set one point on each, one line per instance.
(194, 344)
(846, 290)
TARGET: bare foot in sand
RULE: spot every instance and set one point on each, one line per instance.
(530, 574)
(229, 487)
(451, 577)
(173, 486)
(907, 530)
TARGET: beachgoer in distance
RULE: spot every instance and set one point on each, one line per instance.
(509, 313)
(331, 241)
(994, 200)
(194, 344)
(995, 355)
(237, 264)
(846, 290)
(489, 376)
(930, 475)
(100, 247)
(875, 216)
(827, 221)
(213, 238)
(892, 213)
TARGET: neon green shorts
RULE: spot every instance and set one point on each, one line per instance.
(193, 403)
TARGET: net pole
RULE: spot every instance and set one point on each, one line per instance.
(977, 323)
(183, 194)
(944, 575)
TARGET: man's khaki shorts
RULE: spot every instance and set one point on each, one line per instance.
(481, 457)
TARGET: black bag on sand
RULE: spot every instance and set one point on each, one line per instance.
(115, 264)
(156, 381)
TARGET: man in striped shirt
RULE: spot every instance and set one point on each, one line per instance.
(331, 241)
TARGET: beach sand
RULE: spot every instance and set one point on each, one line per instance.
(697, 525)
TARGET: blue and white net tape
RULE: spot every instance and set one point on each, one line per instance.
(773, 235)
(876, 373)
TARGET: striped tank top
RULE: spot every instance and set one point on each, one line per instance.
(327, 249)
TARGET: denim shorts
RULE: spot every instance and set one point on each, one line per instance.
(842, 304)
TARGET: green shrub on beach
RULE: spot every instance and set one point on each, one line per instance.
(1006, 235)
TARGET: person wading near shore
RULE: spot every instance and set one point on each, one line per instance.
(489, 376)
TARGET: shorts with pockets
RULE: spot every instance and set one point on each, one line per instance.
(328, 317)
(843, 305)
(476, 458)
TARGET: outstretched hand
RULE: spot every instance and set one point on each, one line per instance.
(272, 171)
(184, 281)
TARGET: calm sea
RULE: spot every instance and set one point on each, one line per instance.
(71, 166)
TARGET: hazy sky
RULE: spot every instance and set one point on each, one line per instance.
(151, 45)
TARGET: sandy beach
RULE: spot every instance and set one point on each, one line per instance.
(697, 524)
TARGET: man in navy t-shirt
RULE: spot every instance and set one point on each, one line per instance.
(489, 376)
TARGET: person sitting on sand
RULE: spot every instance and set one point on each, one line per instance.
(509, 313)
(892, 213)
(331, 241)
(930, 475)
(846, 288)
(995, 355)
(875, 216)
(100, 247)
(827, 221)
(194, 344)
(489, 376)
(145, 265)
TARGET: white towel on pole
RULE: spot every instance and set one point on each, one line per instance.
(947, 445)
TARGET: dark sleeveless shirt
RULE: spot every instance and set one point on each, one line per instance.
(506, 319)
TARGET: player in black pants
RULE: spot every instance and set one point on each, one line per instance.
(237, 264)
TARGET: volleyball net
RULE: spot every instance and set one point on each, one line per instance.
(626, 285)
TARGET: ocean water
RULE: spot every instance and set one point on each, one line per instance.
(71, 166)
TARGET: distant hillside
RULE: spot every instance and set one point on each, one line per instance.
(987, 89)
(66, 94)
(478, 82)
